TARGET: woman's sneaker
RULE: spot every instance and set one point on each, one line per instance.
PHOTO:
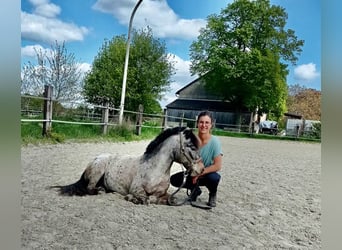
(212, 200)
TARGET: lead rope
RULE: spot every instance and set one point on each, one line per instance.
(185, 176)
(170, 200)
(188, 199)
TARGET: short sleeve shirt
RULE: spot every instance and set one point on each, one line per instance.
(209, 151)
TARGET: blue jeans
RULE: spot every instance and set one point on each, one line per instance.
(210, 180)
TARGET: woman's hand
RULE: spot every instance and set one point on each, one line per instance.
(194, 179)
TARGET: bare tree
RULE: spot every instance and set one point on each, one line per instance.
(304, 101)
(33, 76)
(54, 67)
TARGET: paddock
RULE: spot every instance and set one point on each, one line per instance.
(269, 198)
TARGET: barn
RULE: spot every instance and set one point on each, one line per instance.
(193, 98)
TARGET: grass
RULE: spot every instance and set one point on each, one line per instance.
(221, 132)
(31, 133)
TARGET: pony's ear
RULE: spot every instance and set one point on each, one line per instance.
(189, 129)
(188, 132)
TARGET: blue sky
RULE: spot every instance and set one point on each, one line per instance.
(85, 24)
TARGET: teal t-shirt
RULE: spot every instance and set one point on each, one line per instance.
(209, 151)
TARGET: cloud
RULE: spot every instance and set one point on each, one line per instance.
(84, 67)
(44, 8)
(180, 79)
(306, 72)
(30, 50)
(156, 14)
(43, 26)
(182, 68)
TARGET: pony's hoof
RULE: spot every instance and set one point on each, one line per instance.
(101, 190)
(151, 200)
(129, 197)
(172, 201)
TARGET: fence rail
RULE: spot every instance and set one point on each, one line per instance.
(100, 115)
(47, 111)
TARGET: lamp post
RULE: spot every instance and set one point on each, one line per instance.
(123, 91)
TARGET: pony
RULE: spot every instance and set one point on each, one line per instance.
(142, 179)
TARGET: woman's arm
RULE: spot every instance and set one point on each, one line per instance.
(212, 168)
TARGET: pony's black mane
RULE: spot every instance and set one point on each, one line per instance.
(166, 134)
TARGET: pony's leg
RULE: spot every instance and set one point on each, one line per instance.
(159, 197)
(157, 194)
(156, 199)
(146, 200)
(143, 192)
(163, 200)
(94, 173)
(138, 197)
(132, 198)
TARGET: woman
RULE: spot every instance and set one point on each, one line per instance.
(211, 154)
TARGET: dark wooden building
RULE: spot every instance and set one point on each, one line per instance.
(193, 98)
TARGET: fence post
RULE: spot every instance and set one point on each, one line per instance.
(47, 110)
(139, 119)
(164, 123)
(105, 113)
(303, 128)
(251, 124)
(297, 131)
(181, 120)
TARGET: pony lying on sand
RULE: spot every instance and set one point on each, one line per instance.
(141, 179)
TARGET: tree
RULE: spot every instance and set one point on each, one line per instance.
(56, 67)
(148, 77)
(304, 101)
(241, 54)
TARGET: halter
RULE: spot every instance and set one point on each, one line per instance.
(185, 176)
(186, 172)
(182, 152)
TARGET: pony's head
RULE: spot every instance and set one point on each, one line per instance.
(183, 148)
(189, 152)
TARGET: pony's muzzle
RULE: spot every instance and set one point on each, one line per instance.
(197, 168)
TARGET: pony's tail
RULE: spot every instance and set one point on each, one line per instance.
(78, 188)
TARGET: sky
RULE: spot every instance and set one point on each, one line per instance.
(85, 24)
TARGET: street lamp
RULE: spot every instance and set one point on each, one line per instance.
(123, 91)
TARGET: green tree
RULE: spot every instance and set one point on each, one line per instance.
(56, 67)
(242, 55)
(148, 76)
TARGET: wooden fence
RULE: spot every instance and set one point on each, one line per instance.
(48, 111)
(108, 115)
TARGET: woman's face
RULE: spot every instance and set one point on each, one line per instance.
(204, 124)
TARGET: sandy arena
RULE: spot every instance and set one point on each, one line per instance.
(269, 198)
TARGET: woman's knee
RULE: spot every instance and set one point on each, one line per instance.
(214, 177)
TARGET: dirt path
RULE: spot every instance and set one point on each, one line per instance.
(269, 198)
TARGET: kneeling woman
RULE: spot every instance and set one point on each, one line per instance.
(211, 154)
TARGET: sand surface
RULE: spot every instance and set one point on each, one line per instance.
(269, 198)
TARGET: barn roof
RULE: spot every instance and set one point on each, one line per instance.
(195, 104)
(188, 85)
(293, 115)
(194, 96)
